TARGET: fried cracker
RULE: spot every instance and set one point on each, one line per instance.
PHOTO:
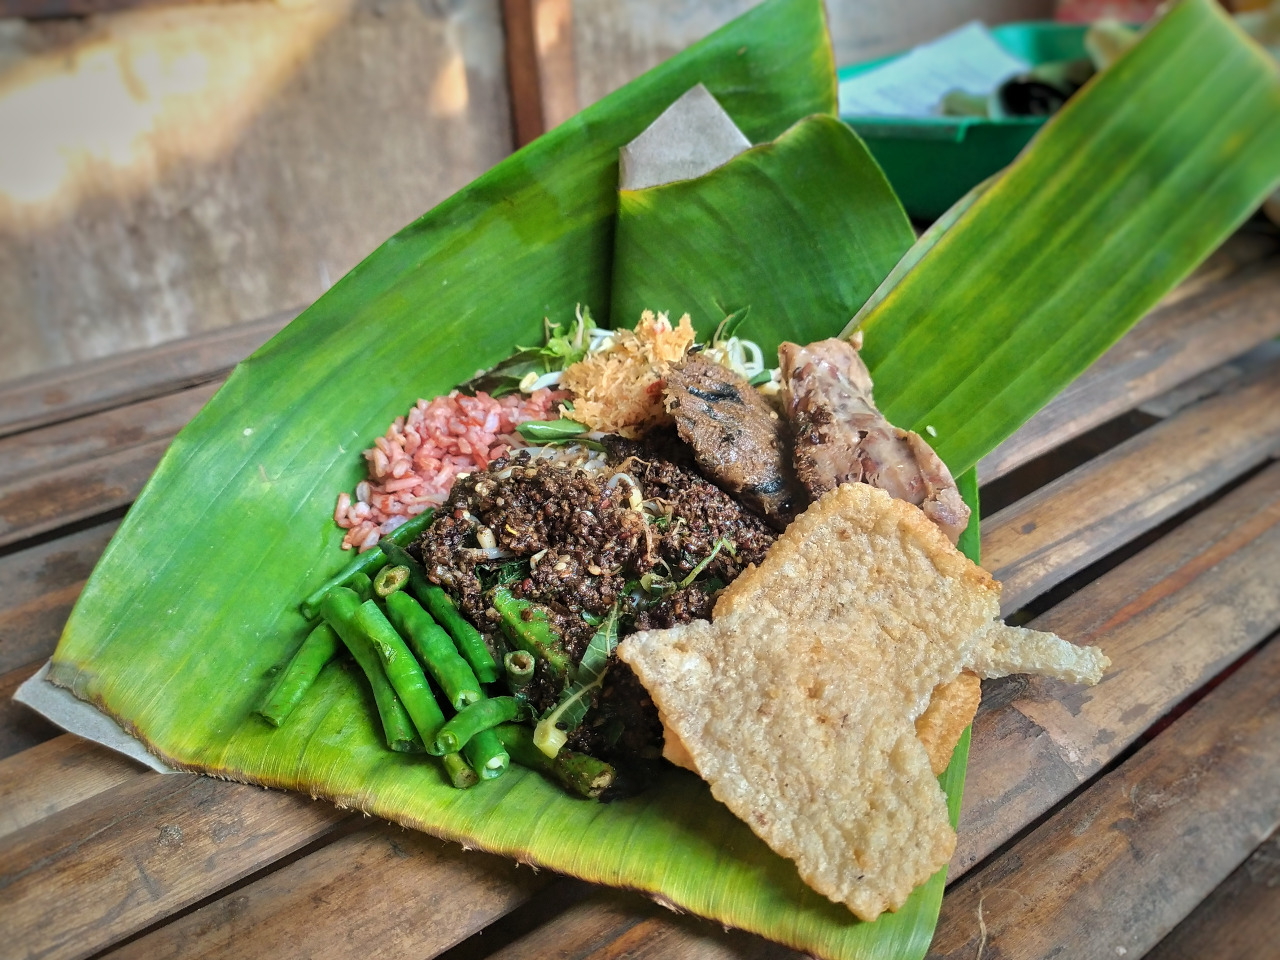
(950, 710)
(798, 703)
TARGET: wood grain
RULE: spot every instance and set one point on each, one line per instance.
(1036, 543)
(1170, 618)
(136, 853)
(1117, 868)
(1240, 920)
(57, 774)
(72, 493)
(381, 891)
(21, 728)
(614, 924)
(36, 454)
(522, 71)
(83, 388)
(1239, 309)
(38, 587)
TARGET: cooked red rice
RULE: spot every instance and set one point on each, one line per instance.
(412, 467)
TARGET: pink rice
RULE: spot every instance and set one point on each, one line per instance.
(412, 466)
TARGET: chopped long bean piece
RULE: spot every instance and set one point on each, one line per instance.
(486, 754)
(459, 771)
(367, 562)
(479, 716)
(465, 637)
(404, 672)
(389, 580)
(435, 649)
(519, 665)
(320, 646)
(362, 586)
(339, 607)
(529, 628)
(576, 772)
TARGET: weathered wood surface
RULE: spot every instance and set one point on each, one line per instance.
(140, 851)
(38, 587)
(69, 494)
(1240, 920)
(1036, 543)
(381, 891)
(82, 468)
(35, 455)
(1117, 868)
(611, 925)
(1170, 619)
(1230, 308)
(83, 388)
(56, 774)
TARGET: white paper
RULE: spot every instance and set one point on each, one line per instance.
(83, 719)
(913, 85)
(691, 137)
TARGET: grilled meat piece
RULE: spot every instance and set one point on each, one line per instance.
(738, 440)
(840, 436)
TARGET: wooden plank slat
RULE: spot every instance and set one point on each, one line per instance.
(84, 388)
(522, 71)
(1240, 920)
(1174, 343)
(1036, 543)
(67, 495)
(77, 443)
(37, 589)
(21, 728)
(114, 864)
(379, 892)
(57, 774)
(1170, 618)
(615, 925)
(1018, 773)
(1117, 868)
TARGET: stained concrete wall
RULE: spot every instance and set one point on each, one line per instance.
(174, 170)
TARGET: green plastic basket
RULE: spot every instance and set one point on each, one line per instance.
(934, 161)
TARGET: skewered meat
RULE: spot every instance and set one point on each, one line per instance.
(840, 436)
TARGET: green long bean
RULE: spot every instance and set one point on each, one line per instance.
(459, 771)
(465, 637)
(404, 672)
(339, 607)
(320, 646)
(529, 628)
(367, 563)
(435, 649)
(475, 718)
(577, 772)
(486, 754)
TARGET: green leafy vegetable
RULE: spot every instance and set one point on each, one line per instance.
(566, 716)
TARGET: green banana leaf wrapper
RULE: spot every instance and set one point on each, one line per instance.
(194, 603)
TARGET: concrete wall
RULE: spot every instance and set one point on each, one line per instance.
(174, 170)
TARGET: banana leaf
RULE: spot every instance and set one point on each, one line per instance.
(1124, 193)
(820, 232)
(194, 601)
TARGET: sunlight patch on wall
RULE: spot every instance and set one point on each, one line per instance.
(149, 89)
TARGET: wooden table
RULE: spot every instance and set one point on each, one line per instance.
(1139, 511)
